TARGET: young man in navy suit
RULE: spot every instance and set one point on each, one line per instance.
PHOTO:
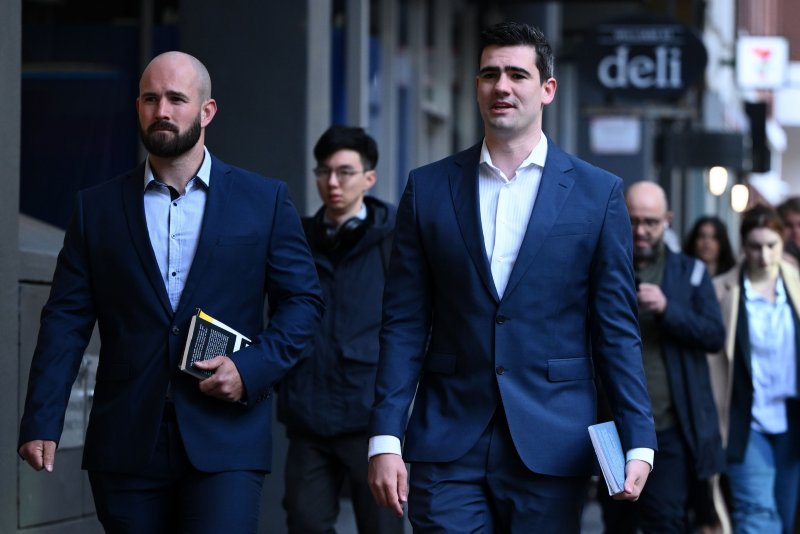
(164, 451)
(511, 282)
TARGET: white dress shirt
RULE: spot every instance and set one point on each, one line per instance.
(506, 206)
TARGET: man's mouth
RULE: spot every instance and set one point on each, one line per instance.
(500, 106)
(162, 126)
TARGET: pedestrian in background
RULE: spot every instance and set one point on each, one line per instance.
(680, 322)
(324, 401)
(755, 380)
(789, 212)
(708, 241)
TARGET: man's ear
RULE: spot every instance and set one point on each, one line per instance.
(207, 112)
(371, 177)
(548, 91)
(668, 218)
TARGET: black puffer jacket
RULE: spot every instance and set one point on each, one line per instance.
(330, 391)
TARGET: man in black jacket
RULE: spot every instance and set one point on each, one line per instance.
(325, 400)
(680, 322)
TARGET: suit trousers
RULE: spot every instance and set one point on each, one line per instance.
(490, 490)
(316, 470)
(170, 496)
(662, 506)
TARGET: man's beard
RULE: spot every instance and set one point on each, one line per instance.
(163, 145)
(647, 254)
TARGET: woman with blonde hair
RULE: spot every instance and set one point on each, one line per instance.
(755, 380)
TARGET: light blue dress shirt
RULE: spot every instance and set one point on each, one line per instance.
(773, 357)
(174, 223)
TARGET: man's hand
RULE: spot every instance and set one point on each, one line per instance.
(651, 298)
(636, 473)
(225, 383)
(40, 454)
(388, 480)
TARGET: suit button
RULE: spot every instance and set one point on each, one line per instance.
(500, 369)
(500, 319)
(175, 330)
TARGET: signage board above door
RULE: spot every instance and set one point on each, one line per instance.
(643, 58)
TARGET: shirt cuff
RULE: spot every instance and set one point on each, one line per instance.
(384, 445)
(641, 453)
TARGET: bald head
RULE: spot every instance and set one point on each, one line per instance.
(648, 194)
(185, 65)
(647, 207)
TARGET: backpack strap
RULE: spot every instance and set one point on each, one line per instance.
(697, 272)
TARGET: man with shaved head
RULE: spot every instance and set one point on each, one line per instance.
(680, 322)
(167, 452)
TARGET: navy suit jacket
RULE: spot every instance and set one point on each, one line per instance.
(251, 244)
(570, 304)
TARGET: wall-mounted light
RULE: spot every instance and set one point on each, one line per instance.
(740, 196)
(717, 180)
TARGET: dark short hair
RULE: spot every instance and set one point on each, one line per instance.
(726, 259)
(760, 216)
(790, 205)
(518, 34)
(340, 137)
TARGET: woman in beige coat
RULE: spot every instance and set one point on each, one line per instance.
(755, 379)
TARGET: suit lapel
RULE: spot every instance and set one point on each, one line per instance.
(464, 191)
(133, 206)
(216, 203)
(554, 189)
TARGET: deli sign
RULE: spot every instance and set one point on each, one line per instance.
(648, 60)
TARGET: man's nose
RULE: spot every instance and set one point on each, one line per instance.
(333, 179)
(502, 84)
(163, 109)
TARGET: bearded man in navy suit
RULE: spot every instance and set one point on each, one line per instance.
(164, 451)
(510, 283)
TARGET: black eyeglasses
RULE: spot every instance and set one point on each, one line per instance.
(343, 174)
(647, 222)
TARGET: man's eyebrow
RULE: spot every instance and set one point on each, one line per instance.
(518, 69)
(510, 68)
(170, 94)
(178, 94)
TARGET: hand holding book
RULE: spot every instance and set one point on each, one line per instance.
(608, 449)
(207, 339)
(225, 383)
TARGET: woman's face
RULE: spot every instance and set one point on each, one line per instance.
(706, 247)
(763, 249)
